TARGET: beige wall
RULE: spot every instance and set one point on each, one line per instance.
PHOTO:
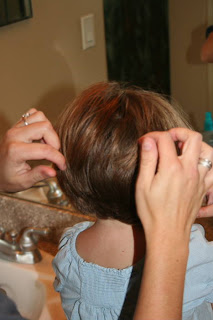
(42, 63)
(189, 76)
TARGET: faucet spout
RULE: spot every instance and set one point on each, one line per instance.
(24, 251)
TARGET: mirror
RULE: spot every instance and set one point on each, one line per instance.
(43, 64)
(47, 192)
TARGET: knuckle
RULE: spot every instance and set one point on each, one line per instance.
(12, 149)
(41, 114)
(193, 173)
(198, 136)
(47, 125)
(32, 110)
(164, 134)
(47, 150)
(146, 162)
(175, 167)
(10, 134)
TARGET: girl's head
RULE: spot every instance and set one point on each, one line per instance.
(99, 135)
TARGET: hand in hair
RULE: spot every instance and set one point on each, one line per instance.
(169, 193)
(17, 147)
(167, 175)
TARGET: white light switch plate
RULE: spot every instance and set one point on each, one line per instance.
(88, 31)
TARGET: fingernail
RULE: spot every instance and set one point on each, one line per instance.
(146, 145)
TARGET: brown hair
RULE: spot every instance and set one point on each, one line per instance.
(99, 135)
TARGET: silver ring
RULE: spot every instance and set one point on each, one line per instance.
(25, 115)
(24, 118)
(205, 163)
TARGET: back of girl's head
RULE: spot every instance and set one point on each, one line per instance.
(99, 135)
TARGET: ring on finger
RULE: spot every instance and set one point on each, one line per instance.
(24, 118)
(205, 163)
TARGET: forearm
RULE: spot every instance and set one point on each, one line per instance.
(162, 284)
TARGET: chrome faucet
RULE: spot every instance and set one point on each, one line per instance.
(55, 195)
(21, 247)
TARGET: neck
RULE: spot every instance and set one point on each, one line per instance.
(130, 238)
(114, 244)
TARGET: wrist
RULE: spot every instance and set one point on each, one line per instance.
(168, 242)
(162, 286)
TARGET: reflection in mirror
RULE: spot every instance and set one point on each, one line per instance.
(47, 192)
(43, 65)
(52, 68)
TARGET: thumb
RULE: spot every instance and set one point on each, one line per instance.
(148, 160)
(39, 173)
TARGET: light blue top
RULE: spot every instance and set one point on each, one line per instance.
(92, 292)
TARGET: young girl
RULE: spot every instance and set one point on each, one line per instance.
(99, 265)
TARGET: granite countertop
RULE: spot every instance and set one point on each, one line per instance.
(18, 214)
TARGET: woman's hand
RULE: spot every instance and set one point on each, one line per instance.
(170, 188)
(34, 140)
(169, 193)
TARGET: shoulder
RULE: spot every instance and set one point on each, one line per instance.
(67, 258)
(67, 249)
(70, 234)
